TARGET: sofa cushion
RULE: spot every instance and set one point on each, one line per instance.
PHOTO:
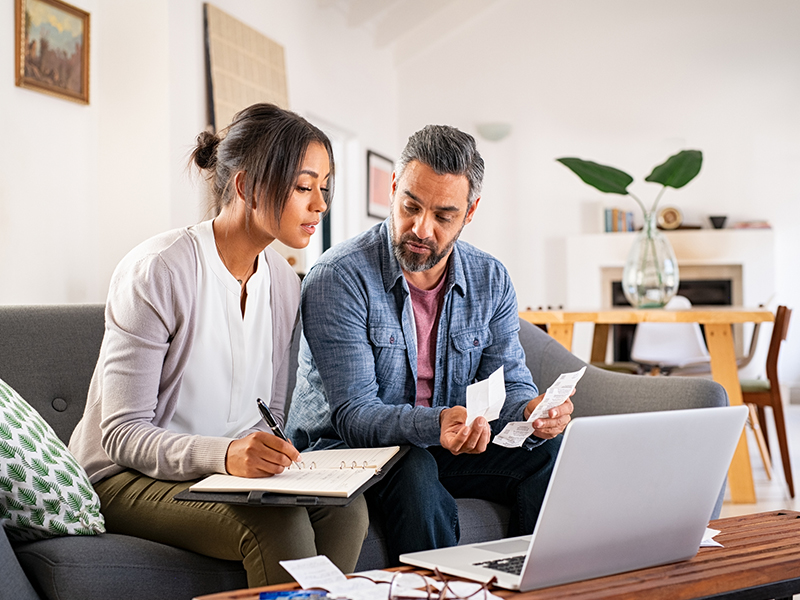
(44, 492)
(123, 568)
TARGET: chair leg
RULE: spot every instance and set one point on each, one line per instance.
(755, 425)
(762, 417)
(780, 426)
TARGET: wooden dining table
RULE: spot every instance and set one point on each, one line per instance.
(717, 322)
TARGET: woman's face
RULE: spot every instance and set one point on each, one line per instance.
(305, 206)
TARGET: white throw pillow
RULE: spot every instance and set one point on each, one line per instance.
(44, 492)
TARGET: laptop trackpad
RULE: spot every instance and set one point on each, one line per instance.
(513, 546)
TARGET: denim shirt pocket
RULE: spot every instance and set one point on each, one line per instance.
(468, 345)
(389, 348)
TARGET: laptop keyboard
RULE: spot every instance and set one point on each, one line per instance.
(512, 564)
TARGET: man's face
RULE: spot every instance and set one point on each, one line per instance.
(428, 213)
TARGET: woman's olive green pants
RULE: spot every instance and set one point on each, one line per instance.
(259, 536)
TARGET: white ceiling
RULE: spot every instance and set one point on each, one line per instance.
(410, 26)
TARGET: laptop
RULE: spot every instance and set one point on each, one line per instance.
(627, 492)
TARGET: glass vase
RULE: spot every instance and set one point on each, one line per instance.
(650, 277)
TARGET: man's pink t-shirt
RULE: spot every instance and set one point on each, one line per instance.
(426, 305)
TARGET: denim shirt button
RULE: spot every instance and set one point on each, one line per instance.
(391, 340)
(475, 342)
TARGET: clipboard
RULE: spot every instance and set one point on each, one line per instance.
(259, 498)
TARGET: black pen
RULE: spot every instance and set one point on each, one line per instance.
(271, 422)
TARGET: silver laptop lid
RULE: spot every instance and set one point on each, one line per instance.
(631, 491)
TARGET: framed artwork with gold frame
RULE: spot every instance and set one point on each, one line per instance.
(52, 49)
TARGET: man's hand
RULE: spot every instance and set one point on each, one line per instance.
(457, 437)
(557, 420)
(259, 454)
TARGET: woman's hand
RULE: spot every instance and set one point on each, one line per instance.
(259, 454)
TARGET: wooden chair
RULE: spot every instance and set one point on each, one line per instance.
(763, 393)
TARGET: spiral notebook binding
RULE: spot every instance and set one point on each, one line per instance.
(355, 465)
(301, 466)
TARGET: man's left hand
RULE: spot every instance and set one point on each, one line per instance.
(556, 421)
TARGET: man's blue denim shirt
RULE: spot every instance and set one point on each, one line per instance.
(357, 373)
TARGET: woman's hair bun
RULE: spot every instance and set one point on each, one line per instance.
(205, 152)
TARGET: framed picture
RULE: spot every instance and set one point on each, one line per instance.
(52, 49)
(379, 182)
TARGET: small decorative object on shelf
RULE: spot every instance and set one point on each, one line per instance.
(670, 217)
(718, 222)
(650, 277)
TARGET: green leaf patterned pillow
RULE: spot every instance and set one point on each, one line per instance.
(44, 492)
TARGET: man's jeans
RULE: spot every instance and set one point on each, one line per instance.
(416, 499)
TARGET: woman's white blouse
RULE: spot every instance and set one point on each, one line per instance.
(230, 364)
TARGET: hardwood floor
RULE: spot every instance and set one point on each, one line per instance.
(772, 494)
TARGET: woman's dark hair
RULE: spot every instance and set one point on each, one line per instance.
(268, 144)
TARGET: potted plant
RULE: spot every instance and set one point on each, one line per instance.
(650, 277)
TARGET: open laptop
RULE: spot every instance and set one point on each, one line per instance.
(627, 492)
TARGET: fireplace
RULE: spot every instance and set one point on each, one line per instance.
(700, 292)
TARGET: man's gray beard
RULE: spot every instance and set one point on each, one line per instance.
(412, 262)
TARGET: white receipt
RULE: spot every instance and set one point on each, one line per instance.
(556, 394)
(318, 572)
(315, 572)
(515, 433)
(486, 398)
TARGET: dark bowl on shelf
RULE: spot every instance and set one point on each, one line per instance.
(718, 222)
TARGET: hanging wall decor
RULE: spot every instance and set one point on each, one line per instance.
(379, 181)
(52, 49)
(244, 67)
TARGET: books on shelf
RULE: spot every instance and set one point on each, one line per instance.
(336, 473)
(750, 225)
(618, 220)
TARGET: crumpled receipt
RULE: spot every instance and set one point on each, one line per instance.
(515, 433)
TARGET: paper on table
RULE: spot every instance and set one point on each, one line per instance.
(515, 433)
(708, 539)
(314, 572)
(486, 398)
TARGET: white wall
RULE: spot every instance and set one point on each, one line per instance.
(48, 188)
(81, 185)
(625, 83)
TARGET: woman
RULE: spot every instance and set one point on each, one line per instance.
(198, 325)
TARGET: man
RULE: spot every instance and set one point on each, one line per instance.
(397, 322)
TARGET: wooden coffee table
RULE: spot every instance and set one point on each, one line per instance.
(760, 560)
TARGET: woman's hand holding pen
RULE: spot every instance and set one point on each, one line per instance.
(259, 454)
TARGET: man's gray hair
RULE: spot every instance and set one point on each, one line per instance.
(446, 150)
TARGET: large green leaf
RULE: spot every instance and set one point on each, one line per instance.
(604, 178)
(677, 170)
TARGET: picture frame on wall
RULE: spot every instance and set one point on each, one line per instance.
(52, 49)
(379, 181)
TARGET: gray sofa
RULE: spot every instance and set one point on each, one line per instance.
(48, 353)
